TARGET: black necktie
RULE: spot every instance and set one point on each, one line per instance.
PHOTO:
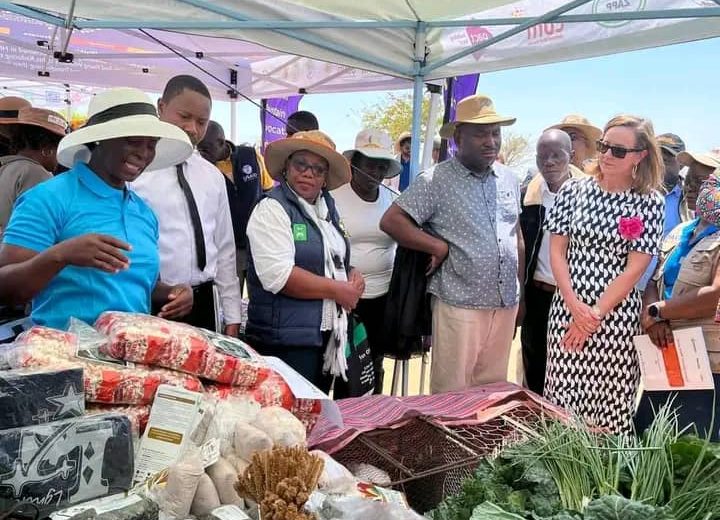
(194, 218)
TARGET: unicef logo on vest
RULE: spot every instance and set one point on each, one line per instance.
(617, 6)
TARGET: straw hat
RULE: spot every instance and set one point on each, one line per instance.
(375, 144)
(711, 159)
(9, 108)
(476, 110)
(315, 141)
(125, 112)
(592, 133)
(46, 119)
(400, 139)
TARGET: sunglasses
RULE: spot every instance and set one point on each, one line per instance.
(619, 152)
(318, 170)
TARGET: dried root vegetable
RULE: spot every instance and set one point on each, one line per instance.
(269, 469)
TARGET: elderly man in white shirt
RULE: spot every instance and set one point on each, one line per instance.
(197, 245)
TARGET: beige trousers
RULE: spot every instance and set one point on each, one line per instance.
(470, 347)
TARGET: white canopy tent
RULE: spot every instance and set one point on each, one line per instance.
(285, 46)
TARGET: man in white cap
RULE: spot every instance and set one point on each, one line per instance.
(361, 204)
(197, 244)
(469, 206)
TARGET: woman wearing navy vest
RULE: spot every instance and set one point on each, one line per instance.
(299, 278)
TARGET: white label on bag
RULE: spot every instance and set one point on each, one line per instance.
(230, 513)
(173, 414)
(102, 505)
(210, 452)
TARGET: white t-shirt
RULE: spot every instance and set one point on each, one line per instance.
(543, 272)
(372, 252)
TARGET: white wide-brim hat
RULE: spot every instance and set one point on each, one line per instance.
(375, 144)
(125, 112)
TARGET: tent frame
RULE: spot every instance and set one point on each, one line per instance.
(296, 29)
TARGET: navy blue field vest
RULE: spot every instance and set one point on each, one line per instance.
(276, 319)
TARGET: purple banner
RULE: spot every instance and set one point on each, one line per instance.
(460, 88)
(274, 116)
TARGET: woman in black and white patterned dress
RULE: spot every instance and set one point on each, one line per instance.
(605, 230)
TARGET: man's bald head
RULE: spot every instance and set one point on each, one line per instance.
(213, 147)
(553, 154)
(557, 136)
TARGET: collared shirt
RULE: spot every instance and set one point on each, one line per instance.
(76, 203)
(543, 271)
(478, 217)
(178, 256)
(673, 216)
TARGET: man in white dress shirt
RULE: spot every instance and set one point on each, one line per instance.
(197, 244)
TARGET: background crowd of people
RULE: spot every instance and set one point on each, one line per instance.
(617, 235)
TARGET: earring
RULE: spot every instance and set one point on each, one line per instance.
(634, 172)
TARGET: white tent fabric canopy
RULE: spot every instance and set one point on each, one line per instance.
(278, 47)
(400, 38)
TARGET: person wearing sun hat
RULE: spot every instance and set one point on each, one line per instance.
(35, 138)
(9, 109)
(361, 204)
(299, 276)
(470, 206)
(82, 243)
(583, 135)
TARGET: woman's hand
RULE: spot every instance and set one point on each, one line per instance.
(584, 317)
(661, 334)
(356, 278)
(347, 294)
(180, 303)
(575, 338)
(93, 250)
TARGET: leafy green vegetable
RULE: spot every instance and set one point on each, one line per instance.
(511, 484)
(489, 511)
(614, 507)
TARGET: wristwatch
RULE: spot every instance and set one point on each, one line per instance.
(654, 311)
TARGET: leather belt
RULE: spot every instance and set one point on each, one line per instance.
(546, 287)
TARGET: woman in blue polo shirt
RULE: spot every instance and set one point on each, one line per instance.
(82, 243)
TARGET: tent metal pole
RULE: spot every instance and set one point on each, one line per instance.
(32, 13)
(420, 34)
(416, 126)
(242, 24)
(547, 17)
(306, 38)
(233, 120)
(697, 12)
(431, 129)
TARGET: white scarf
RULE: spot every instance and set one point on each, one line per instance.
(334, 317)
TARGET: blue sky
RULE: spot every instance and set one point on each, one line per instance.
(675, 86)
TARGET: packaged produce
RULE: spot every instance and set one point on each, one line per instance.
(281, 426)
(182, 483)
(248, 440)
(154, 341)
(138, 414)
(104, 382)
(116, 507)
(206, 497)
(39, 395)
(224, 475)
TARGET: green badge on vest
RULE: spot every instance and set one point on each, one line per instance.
(300, 232)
